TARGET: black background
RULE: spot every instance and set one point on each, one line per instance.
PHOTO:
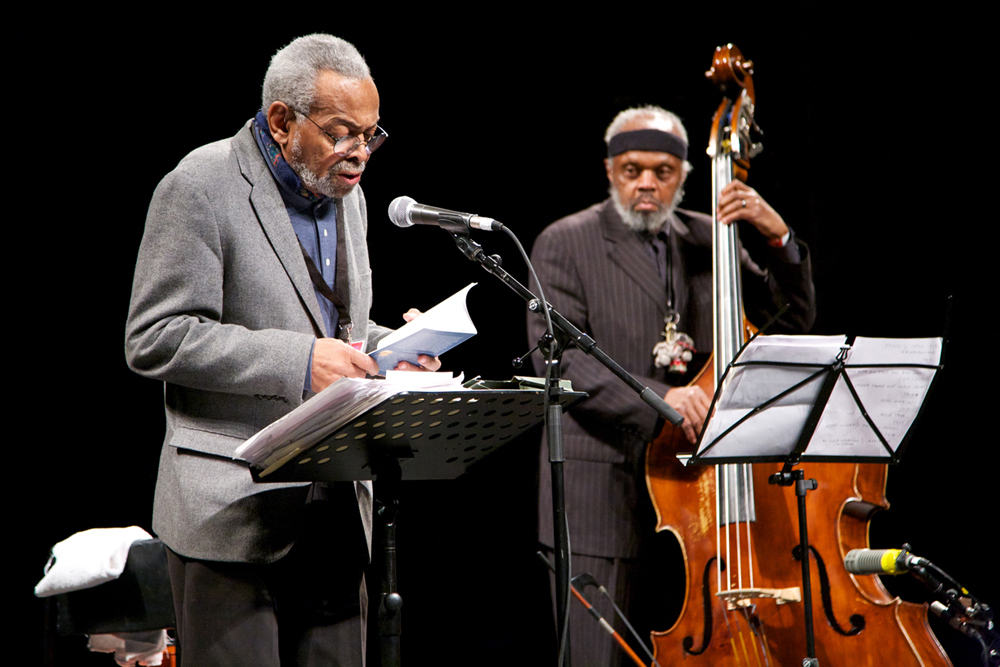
(871, 139)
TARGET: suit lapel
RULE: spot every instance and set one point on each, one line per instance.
(270, 209)
(627, 250)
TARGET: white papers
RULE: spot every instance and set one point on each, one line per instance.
(891, 396)
(328, 411)
(425, 381)
(774, 431)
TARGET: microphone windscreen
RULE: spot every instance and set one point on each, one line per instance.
(399, 211)
(872, 561)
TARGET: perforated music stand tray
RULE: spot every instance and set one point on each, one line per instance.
(433, 435)
(414, 435)
(815, 398)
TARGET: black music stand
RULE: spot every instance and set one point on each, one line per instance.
(780, 401)
(414, 435)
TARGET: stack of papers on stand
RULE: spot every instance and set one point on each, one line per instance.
(328, 411)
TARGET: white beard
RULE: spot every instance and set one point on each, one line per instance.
(325, 184)
(644, 221)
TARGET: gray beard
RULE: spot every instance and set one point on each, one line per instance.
(325, 184)
(644, 221)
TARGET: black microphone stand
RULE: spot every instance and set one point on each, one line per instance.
(959, 608)
(552, 345)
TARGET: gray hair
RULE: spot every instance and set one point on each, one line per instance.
(658, 115)
(291, 77)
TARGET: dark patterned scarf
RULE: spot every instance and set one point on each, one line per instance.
(279, 167)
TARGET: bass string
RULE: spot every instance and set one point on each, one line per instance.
(734, 506)
(733, 482)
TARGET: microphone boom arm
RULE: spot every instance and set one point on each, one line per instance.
(474, 252)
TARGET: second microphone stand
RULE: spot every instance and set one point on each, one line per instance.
(552, 345)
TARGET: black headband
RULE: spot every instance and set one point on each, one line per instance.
(647, 140)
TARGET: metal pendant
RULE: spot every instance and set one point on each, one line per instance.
(676, 349)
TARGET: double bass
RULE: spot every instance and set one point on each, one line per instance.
(738, 534)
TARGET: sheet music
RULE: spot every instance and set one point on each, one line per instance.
(774, 431)
(891, 396)
(753, 385)
(926, 351)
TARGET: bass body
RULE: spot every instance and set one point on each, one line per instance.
(739, 535)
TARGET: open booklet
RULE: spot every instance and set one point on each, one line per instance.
(328, 411)
(435, 332)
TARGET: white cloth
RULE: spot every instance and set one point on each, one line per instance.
(87, 559)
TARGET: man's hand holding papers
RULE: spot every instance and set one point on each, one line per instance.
(426, 336)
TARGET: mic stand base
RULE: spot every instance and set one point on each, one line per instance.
(390, 605)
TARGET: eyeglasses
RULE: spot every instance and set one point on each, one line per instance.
(347, 144)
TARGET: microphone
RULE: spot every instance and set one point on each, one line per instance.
(405, 212)
(882, 561)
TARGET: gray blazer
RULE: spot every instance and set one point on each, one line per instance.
(601, 276)
(224, 313)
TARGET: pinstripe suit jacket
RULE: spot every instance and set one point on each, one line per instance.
(601, 276)
(224, 313)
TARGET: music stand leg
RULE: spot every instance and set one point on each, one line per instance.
(802, 486)
(796, 478)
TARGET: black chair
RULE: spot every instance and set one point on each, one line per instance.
(139, 600)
